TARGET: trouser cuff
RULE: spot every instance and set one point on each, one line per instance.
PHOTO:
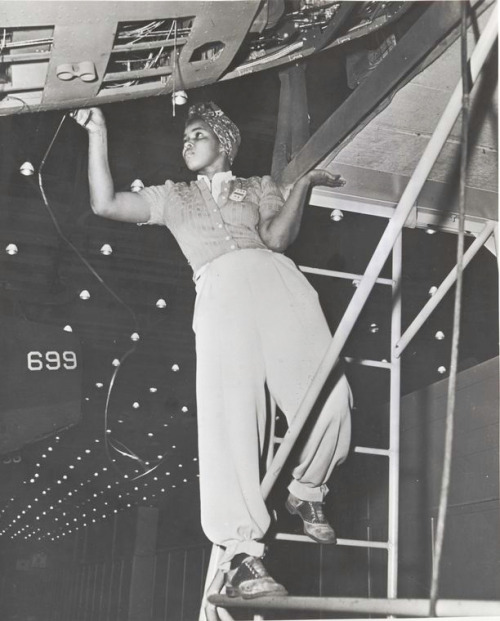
(306, 492)
(251, 548)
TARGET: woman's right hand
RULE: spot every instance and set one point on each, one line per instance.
(92, 119)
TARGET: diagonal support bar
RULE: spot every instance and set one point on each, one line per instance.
(443, 289)
(425, 35)
(381, 254)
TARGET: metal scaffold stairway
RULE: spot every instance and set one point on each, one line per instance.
(392, 452)
(215, 603)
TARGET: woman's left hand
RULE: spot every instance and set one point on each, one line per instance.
(319, 176)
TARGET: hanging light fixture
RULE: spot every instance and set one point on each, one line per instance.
(179, 98)
(27, 169)
(137, 185)
(336, 215)
(11, 249)
(106, 250)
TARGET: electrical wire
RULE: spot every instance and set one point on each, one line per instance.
(114, 444)
(69, 242)
(124, 450)
(174, 68)
(152, 61)
(143, 32)
(452, 380)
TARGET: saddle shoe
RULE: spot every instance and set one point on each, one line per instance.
(251, 579)
(315, 523)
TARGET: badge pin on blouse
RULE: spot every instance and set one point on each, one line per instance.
(238, 195)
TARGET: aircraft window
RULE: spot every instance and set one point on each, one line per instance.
(25, 56)
(146, 51)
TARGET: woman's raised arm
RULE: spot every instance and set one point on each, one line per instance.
(105, 202)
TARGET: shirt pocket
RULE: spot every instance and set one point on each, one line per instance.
(244, 214)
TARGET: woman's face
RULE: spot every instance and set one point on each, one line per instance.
(201, 148)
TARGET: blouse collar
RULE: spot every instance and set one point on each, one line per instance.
(217, 180)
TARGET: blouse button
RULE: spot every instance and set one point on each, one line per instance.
(233, 247)
(219, 225)
(228, 237)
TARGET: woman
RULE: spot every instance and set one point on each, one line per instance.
(257, 322)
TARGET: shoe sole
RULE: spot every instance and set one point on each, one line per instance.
(235, 592)
(294, 511)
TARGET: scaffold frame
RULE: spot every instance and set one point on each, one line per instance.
(404, 214)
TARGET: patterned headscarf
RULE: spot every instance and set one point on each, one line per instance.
(226, 131)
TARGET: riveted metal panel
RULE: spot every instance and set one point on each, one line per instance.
(85, 31)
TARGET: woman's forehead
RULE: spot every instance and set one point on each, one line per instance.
(197, 124)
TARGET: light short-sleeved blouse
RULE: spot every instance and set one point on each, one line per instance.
(206, 229)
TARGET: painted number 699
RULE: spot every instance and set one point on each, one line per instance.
(51, 360)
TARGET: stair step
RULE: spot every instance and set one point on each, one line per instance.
(367, 450)
(354, 543)
(364, 605)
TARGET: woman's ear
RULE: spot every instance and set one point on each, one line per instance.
(226, 159)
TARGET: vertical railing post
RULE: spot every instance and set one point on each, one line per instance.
(88, 594)
(110, 589)
(167, 580)
(101, 597)
(141, 581)
(153, 600)
(81, 601)
(369, 563)
(94, 592)
(119, 615)
(183, 593)
(394, 421)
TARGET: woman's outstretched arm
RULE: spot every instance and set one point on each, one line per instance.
(279, 230)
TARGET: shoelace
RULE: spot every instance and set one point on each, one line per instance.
(317, 515)
(255, 566)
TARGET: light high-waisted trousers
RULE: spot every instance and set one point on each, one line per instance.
(258, 320)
